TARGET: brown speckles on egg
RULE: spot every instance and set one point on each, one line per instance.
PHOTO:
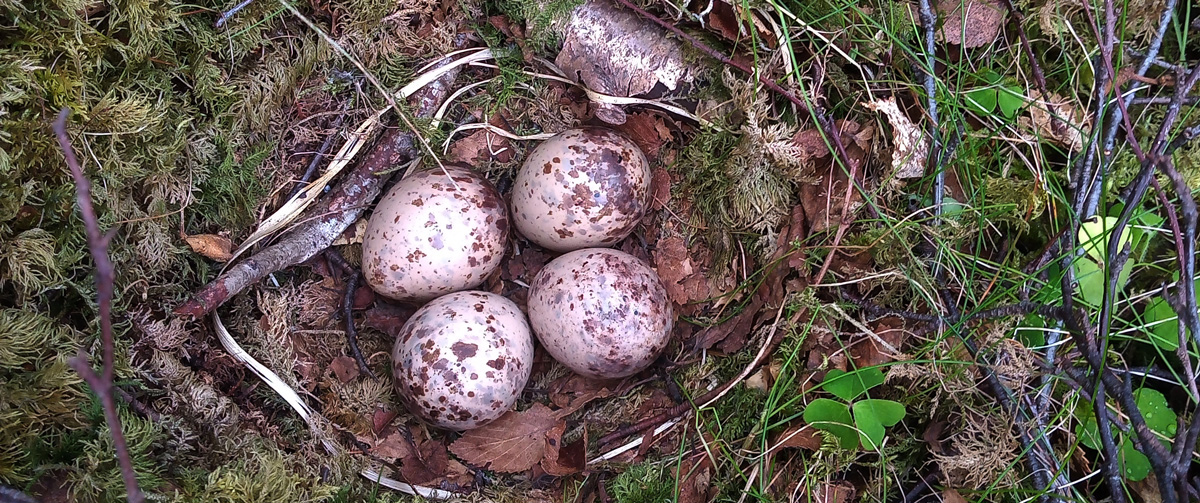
(444, 351)
(591, 175)
(431, 235)
(609, 318)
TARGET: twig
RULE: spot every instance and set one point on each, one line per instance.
(353, 276)
(316, 160)
(928, 22)
(331, 216)
(101, 384)
(227, 15)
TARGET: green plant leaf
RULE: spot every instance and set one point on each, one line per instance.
(1087, 430)
(982, 101)
(850, 385)
(1133, 463)
(1090, 279)
(1095, 233)
(1164, 325)
(1159, 416)
(832, 416)
(872, 416)
(1010, 100)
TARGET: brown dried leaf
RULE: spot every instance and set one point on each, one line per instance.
(480, 147)
(1058, 119)
(571, 392)
(869, 352)
(345, 368)
(648, 131)
(833, 492)
(673, 263)
(561, 461)
(952, 496)
(660, 189)
(513, 443)
(741, 324)
(971, 23)
(799, 435)
(211, 246)
(388, 318)
(910, 145)
(697, 485)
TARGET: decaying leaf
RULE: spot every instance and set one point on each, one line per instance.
(560, 460)
(833, 492)
(697, 474)
(799, 435)
(910, 145)
(971, 23)
(685, 283)
(211, 246)
(353, 235)
(868, 352)
(479, 147)
(571, 392)
(648, 131)
(513, 443)
(660, 189)
(345, 368)
(1057, 119)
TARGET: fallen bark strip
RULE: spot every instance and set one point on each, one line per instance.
(333, 214)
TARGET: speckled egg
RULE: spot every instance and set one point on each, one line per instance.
(603, 313)
(582, 188)
(463, 359)
(433, 234)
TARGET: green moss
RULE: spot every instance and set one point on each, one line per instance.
(230, 195)
(643, 483)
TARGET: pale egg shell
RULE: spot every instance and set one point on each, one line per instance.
(434, 234)
(582, 188)
(603, 313)
(463, 359)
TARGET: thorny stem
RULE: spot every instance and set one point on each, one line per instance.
(101, 384)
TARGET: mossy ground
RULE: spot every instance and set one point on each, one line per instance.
(187, 128)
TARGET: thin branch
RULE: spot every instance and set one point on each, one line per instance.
(352, 280)
(101, 384)
(928, 22)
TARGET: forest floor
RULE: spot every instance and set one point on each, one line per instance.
(916, 251)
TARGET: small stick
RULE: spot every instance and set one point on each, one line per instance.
(316, 160)
(227, 15)
(353, 276)
(101, 383)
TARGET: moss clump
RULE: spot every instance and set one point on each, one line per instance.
(643, 483)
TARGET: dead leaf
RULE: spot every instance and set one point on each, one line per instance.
(660, 189)
(382, 418)
(388, 318)
(740, 324)
(513, 443)
(561, 461)
(392, 446)
(1058, 119)
(910, 145)
(971, 23)
(212, 246)
(480, 147)
(868, 352)
(571, 392)
(672, 261)
(764, 378)
(833, 492)
(353, 235)
(952, 496)
(697, 485)
(799, 435)
(648, 131)
(345, 368)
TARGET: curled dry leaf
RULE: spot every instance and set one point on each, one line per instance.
(799, 435)
(344, 368)
(685, 283)
(971, 23)
(211, 246)
(1058, 119)
(513, 443)
(910, 145)
(868, 352)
